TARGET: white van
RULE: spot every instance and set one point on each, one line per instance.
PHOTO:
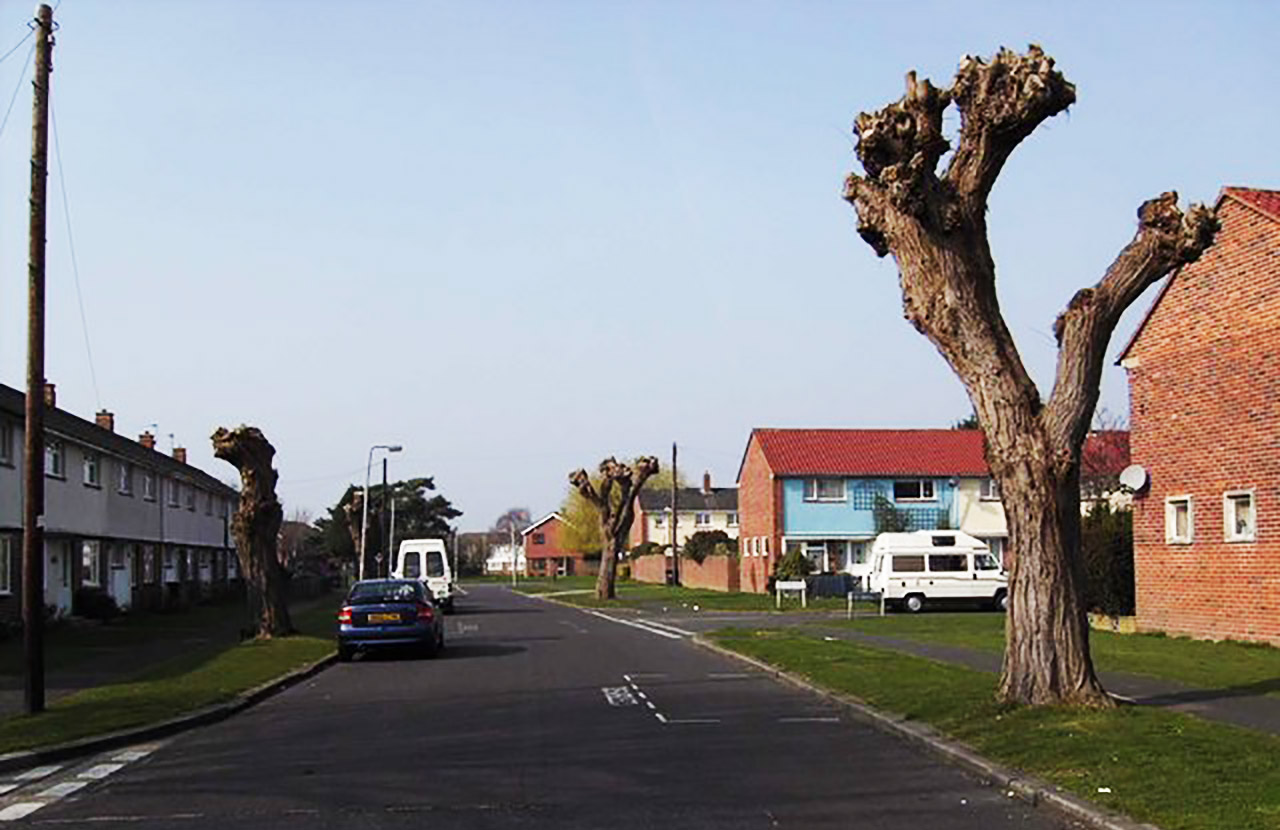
(428, 561)
(912, 568)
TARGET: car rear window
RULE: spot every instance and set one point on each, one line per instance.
(368, 592)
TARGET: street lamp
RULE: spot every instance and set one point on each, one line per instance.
(364, 519)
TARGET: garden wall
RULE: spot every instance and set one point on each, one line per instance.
(651, 568)
(716, 573)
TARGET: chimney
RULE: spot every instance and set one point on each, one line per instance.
(106, 420)
(706, 483)
(50, 395)
(147, 440)
(180, 455)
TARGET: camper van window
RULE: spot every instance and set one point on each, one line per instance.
(412, 565)
(948, 562)
(908, 564)
(985, 562)
(944, 541)
(435, 563)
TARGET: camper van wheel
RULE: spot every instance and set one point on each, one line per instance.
(1002, 601)
(914, 603)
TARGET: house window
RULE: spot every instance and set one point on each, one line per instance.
(149, 485)
(54, 460)
(225, 507)
(148, 563)
(1239, 518)
(175, 497)
(190, 492)
(920, 489)
(124, 473)
(170, 565)
(92, 469)
(990, 489)
(89, 564)
(539, 539)
(733, 520)
(824, 489)
(703, 520)
(765, 540)
(816, 552)
(997, 545)
(6, 564)
(208, 504)
(6, 443)
(1179, 520)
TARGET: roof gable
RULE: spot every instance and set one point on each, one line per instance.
(874, 452)
(542, 521)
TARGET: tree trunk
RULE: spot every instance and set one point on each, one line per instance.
(1047, 658)
(606, 581)
(256, 526)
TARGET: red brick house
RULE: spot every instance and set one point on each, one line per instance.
(544, 554)
(1204, 390)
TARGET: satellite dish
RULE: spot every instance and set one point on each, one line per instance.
(1134, 477)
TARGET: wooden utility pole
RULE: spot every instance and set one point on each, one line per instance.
(33, 445)
(382, 524)
(675, 520)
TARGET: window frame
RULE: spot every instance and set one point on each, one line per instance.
(56, 452)
(190, 497)
(732, 518)
(124, 477)
(920, 486)
(6, 564)
(1229, 533)
(175, 492)
(91, 562)
(1171, 523)
(990, 489)
(91, 469)
(702, 520)
(8, 457)
(813, 490)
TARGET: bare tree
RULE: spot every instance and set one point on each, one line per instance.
(935, 227)
(615, 499)
(256, 525)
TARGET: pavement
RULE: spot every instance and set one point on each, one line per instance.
(536, 716)
(1248, 705)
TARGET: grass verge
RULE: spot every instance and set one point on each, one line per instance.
(1207, 665)
(646, 595)
(1174, 770)
(174, 687)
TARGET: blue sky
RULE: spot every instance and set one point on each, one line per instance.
(519, 237)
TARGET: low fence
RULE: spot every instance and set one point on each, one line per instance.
(651, 568)
(715, 573)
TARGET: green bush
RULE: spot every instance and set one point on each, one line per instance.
(704, 543)
(95, 604)
(647, 549)
(794, 565)
(1106, 546)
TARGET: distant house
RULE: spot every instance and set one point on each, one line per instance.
(1204, 388)
(501, 558)
(545, 554)
(145, 527)
(699, 508)
(829, 492)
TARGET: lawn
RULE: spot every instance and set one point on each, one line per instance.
(1196, 663)
(195, 679)
(1174, 770)
(650, 596)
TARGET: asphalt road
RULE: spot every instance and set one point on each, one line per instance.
(536, 716)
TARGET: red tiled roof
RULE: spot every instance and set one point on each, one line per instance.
(868, 452)
(1267, 201)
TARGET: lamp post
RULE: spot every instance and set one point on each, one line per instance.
(364, 518)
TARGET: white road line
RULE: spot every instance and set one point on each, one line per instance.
(62, 790)
(667, 627)
(643, 696)
(5, 789)
(808, 720)
(100, 771)
(38, 772)
(627, 678)
(133, 755)
(692, 720)
(649, 703)
(717, 675)
(20, 810)
(661, 717)
(645, 676)
(658, 631)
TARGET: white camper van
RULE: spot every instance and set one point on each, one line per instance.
(428, 561)
(913, 568)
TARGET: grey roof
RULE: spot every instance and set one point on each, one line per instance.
(690, 498)
(61, 422)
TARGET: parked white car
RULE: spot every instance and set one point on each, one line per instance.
(427, 561)
(936, 565)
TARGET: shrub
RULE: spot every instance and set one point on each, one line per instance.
(95, 604)
(1106, 546)
(647, 549)
(794, 565)
(705, 542)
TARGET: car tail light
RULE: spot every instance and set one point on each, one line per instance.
(426, 612)
(344, 616)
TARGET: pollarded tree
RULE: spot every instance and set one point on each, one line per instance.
(615, 499)
(256, 526)
(935, 226)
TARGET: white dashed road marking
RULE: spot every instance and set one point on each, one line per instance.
(100, 771)
(18, 795)
(38, 772)
(619, 696)
(808, 720)
(20, 810)
(62, 790)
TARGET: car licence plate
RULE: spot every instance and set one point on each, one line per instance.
(382, 618)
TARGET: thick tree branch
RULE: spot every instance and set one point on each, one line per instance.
(582, 483)
(1000, 103)
(1165, 240)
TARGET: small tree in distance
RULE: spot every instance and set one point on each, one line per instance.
(935, 226)
(615, 501)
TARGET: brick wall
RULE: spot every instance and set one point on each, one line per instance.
(716, 573)
(1204, 385)
(651, 568)
(759, 517)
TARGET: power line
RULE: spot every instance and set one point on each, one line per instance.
(15, 46)
(71, 243)
(22, 76)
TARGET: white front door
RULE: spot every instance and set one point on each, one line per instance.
(57, 574)
(120, 581)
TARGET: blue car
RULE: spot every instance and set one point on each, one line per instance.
(381, 613)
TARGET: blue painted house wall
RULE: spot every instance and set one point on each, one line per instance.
(855, 516)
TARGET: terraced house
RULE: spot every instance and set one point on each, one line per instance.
(145, 527)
